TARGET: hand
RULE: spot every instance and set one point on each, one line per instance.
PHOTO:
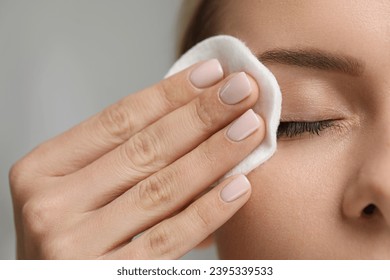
(136, 167)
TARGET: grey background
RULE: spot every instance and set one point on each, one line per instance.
(63, 61)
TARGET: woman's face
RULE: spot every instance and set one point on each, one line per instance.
(332, 61)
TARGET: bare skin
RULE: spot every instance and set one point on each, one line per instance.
(87, 192)
(309, 201)
(138, 166)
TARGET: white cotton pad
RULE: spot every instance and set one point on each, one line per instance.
(235, 56)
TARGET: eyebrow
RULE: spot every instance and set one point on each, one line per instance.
(314, 58)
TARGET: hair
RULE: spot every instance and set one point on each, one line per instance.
(200, 25)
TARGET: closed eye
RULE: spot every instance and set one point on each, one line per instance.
(292, 129)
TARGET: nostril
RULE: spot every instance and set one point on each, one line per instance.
(369, 209)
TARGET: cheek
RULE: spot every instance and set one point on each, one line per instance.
(296, 200)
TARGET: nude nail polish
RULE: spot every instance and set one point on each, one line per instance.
(207, 74)
(235, 189)
(236, 89)
(243, 126)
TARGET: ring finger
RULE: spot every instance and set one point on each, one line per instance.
(170, 189)
(162, 143)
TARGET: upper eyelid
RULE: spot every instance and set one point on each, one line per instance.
(318, 118)
(322, 92)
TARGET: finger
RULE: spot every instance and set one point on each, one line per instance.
(172, 188)
(163, 142)
(174, 237)
(103, 132)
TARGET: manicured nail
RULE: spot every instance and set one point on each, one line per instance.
(207, 74)
(235, 189)
(236, 89)
(243, 126)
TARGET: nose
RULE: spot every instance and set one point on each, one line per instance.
(368, 193)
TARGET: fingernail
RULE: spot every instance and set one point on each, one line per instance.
(207, 74)
(235, 189)
(243, 126)
(236, 89)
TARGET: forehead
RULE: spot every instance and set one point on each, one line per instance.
(356, 27)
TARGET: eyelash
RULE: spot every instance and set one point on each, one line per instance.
(291, 129)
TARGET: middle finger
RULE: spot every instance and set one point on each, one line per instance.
(169, 190)
(163, 142)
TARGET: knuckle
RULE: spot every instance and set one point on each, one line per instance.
(170, 92)
(117, 121)
(203, 217)
(18, 174)
(208, 155)
(39, 216)
(155, 191)
(161, 241)
(142, 152)
(15, 175)
(204, 115)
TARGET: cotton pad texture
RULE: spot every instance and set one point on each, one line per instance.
(235, 56)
